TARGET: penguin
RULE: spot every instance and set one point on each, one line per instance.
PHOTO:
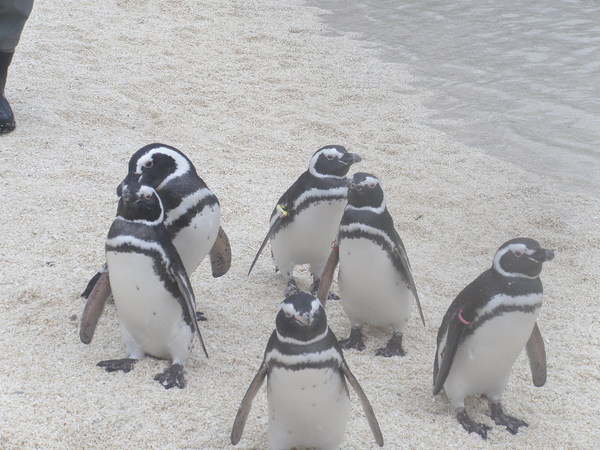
(306, 373)
(486, 327)
(154, 298)
(192, 218)
(304, 222)
(375, 278)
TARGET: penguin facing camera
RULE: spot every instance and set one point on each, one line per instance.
(306, 374)
(375, 278)
(192, 219)
(154, 298)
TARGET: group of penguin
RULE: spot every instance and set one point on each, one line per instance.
(168, 221)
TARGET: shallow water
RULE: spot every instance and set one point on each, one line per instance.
(517, 79)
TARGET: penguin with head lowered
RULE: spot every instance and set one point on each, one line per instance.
(153, 295)
(375, 278)
(305, 220)
(192, 218)
(306, 373)
(485, 329)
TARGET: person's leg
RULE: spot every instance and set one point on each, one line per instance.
(13, 15)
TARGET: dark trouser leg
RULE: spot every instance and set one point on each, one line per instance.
(13, 15)
(7, 118)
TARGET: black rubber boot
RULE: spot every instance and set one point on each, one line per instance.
(7, 118)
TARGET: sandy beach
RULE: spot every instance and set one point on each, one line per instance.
(249, 90)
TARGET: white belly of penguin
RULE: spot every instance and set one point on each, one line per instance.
(371, 289)
(484, 360)
(150, 317)
(195, 241)
(308, 408)
(307, 240)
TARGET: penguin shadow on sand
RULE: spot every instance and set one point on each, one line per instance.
(167, 222)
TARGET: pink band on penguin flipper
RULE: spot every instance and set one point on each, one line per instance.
(462, 319)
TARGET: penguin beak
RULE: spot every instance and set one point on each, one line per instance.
(122, 184)
(304, 319)
(542, 255)
(127, 195)
(356, 187)
(350, 158)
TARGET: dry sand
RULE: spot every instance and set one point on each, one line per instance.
(249, 90)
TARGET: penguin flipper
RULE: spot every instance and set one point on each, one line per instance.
(88, 288)
(454, 335)
(220, 255)
(189, 300)
(272, 229)
(400, 253)
(366, 405)
(242, 415)
(536, 352)
(97, 298)
(327, 275)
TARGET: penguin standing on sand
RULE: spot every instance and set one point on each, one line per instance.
(306, 376)
(153, 295)
(485, 329)
(192, 218)
(306, 218)
(375, 278)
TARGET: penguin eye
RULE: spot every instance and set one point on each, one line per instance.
(147, 196)
(148, 164)
(372, 185)
(329, 157)
(518, 253)
(288, 314)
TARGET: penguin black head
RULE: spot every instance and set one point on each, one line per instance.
(521, 257)
(365, 190)
(301, 318)
(140, 203)
(156, 165)
(332, 160)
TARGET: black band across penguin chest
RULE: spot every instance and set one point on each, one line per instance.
(309, 191)
(183, 202)
(371, 226)
(145, 240)
(507, 295)
(294, 356)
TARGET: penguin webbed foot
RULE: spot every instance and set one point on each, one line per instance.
(171, 377)
(314, 289)
(393, 347)
(291, 288)
(355, 340)
(200, 317)
(471, 426)
(512, 424)
(116, 365)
